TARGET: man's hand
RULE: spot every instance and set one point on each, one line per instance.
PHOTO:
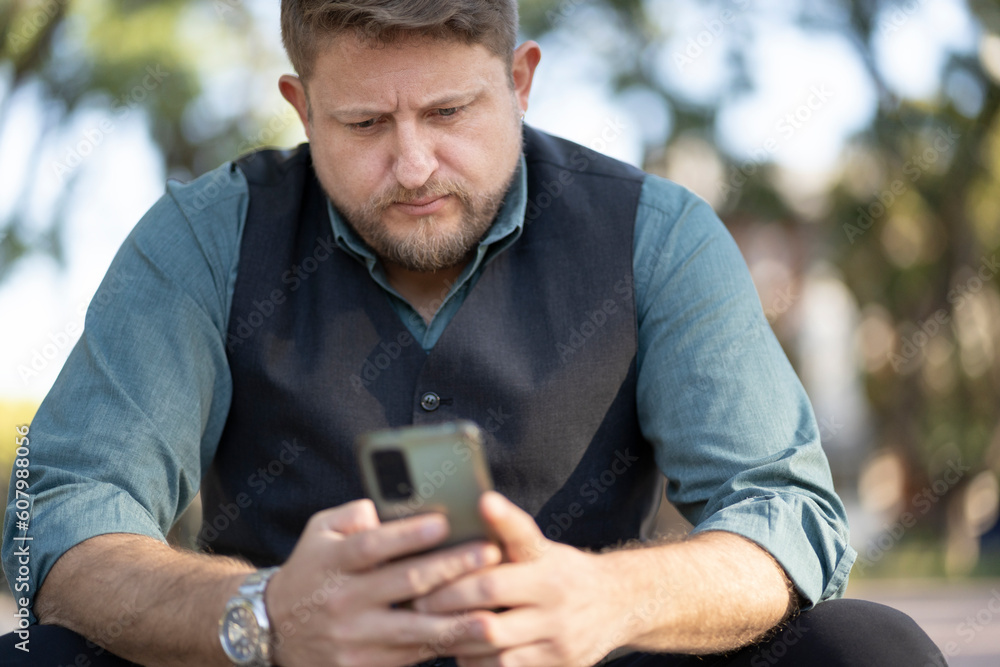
(331, 602)
(560, 602)
(557, 605)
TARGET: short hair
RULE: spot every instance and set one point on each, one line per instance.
(307, 24)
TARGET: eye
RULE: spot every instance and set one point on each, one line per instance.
(450, 111)
(365, 124)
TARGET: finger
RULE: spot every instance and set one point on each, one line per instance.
(400, 628)
(379, 656)
(419, 575)
(490, 632)
(372, 637)
(392, 540)
(370, 656)
(353, 517)
(326, 649)
(509, 585)
(538, 653)
(507, 629)
(517, 531)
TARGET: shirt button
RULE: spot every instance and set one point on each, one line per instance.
(430, 401)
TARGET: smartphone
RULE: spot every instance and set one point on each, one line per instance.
(418, 469)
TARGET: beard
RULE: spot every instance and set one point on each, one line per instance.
(427, 247)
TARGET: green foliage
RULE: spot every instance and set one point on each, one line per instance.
(153, 60)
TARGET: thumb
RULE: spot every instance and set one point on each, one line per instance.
(353, 517)
(515, 530)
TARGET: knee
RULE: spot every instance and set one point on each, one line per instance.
(858, 632)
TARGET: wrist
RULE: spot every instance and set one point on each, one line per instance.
(614, 585)
(245, 631)
(278, 615)
(641, 595)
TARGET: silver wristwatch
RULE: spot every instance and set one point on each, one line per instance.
(244, 630)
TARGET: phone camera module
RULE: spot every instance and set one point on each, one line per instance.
(390, 471)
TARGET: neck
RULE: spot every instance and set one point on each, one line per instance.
(424, 290)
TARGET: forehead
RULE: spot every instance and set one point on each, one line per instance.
(349, 70)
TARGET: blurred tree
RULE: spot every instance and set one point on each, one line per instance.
(86, 66)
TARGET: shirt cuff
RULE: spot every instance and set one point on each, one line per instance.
(781, 524)
(61, 518)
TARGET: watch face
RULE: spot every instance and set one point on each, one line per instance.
(240, 633)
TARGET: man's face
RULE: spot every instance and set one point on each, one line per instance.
(415, 143)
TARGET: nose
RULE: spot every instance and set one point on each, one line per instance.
(415, 157)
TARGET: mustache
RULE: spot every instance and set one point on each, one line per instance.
(439, 188)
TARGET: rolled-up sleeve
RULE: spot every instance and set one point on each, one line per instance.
(732, 427)
(121, 440)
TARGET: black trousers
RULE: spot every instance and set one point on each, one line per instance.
(839, 633)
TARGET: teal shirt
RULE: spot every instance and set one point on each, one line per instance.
(122, 440)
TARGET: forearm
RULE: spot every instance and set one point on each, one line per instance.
(141, 599)
(713, 592)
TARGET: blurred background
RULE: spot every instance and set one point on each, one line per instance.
(852, 148)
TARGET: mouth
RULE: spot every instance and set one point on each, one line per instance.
(423, 206)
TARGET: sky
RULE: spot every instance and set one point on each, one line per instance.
(811, 93)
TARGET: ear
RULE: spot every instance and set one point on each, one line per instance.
(522, 71)
(293, 90)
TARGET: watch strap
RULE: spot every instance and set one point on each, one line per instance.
(256, 582)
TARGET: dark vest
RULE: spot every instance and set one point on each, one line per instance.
(541, 355)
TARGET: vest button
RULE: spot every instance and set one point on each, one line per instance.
(430, 401)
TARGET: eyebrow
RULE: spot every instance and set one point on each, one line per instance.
(449, 100)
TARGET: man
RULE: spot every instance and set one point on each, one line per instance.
(413, 265)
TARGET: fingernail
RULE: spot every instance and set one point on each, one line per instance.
(433, 528)
(495, 504)
(492, 554)
(473, 559)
